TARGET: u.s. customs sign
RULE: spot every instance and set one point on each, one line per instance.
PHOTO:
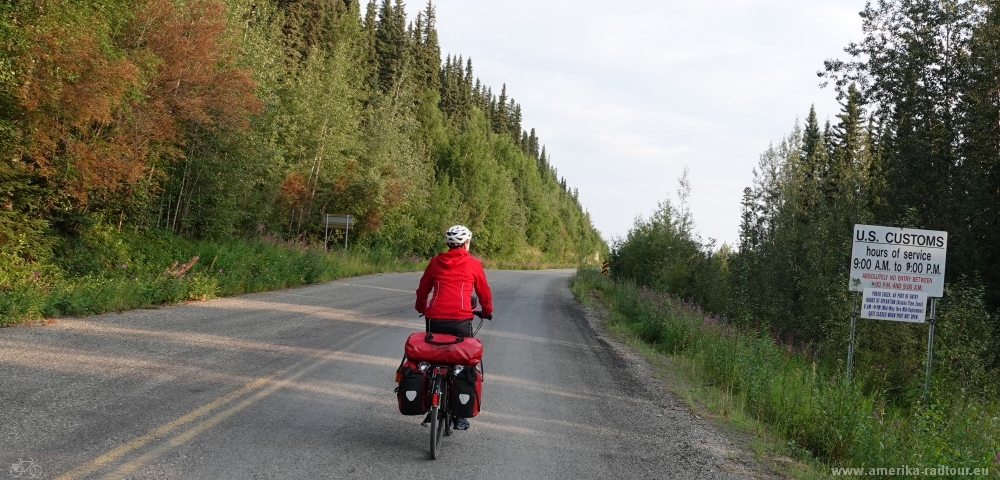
(890, 258)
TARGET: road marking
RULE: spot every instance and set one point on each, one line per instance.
(190, 433)
(166, 429)
(377, 288)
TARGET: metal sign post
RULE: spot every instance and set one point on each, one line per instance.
(338, 221)
(932, 319)
(850, 346)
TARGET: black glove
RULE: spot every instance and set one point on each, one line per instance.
(488, 317)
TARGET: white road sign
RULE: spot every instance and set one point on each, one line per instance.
(891, 258)
(341, 220)
(896, 305)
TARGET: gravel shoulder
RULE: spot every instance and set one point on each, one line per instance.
(730, 445)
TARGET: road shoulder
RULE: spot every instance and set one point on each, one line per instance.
(746, 448)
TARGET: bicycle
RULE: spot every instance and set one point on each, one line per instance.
(440, 412)
(440, 416)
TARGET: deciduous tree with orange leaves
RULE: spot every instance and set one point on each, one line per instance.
(102, 107)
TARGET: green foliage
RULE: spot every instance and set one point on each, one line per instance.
(665, 254)
(369, 123)
(145, 121)
(105, 270)
(914, 145)
(964, 337)
(841, 423)
(151, 132)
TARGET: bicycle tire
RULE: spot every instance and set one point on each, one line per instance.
(442, 412)
(447, 411)
(434, 429)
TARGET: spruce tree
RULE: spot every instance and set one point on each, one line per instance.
(811, 135)
(500, 114)
(391, 42)
(533, 144)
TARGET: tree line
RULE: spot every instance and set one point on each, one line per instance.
(916, 144)
(220, 118)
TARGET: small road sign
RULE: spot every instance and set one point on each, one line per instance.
(337, 221)
(605, 267)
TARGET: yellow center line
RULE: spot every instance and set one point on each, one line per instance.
(187, 435)
(166, 429)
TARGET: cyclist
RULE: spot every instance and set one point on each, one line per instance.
(453, 276)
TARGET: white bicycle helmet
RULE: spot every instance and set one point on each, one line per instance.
(457, 236)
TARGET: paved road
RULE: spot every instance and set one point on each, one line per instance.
(298, 384)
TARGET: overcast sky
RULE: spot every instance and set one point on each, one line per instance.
(626, 94)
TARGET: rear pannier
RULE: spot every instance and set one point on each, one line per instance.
(444, 349)
(467, 391)
(412, 389)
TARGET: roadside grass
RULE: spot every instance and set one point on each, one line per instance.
(796, 407)
(772, 453)
(106, 271)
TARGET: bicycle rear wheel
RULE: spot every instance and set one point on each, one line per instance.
(446, 410)
(435, 436)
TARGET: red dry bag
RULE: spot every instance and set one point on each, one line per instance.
(444, 349)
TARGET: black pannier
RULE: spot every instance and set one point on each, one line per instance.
(466, 392)
(412, 389)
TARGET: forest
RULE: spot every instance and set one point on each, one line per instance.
(915, 145)
(208, 120)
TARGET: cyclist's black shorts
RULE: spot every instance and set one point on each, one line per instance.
(450, 327)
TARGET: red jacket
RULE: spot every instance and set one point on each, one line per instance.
(453, 275)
